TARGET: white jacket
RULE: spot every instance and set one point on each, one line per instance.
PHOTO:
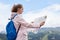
(22, 34)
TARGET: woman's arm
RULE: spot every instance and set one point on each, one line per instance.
(29, 25)
(26, 24)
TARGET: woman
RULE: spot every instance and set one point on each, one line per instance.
(22, 34)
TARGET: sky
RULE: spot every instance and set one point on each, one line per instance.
(32, 9)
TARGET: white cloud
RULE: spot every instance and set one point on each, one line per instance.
(4, 15)
(53, 13)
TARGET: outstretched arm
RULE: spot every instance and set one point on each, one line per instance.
(30, 25)
(26, 24)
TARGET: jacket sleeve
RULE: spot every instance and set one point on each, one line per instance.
(26, 24)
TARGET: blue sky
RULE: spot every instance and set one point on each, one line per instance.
(31, 4)
(32, 9)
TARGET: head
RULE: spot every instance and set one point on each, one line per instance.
(17, 8)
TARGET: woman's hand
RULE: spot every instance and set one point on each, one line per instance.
(42, 23)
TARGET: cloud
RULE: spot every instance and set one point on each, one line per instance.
(4, 15)
(52, 12)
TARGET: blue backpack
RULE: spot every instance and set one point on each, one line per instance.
(11, 30)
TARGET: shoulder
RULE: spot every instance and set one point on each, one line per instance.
(19, 17)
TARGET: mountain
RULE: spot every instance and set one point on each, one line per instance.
(42, 34)
(2, 36)
(45, 34)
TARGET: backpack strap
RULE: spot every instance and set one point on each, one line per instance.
(18, 28)
(13, 17)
